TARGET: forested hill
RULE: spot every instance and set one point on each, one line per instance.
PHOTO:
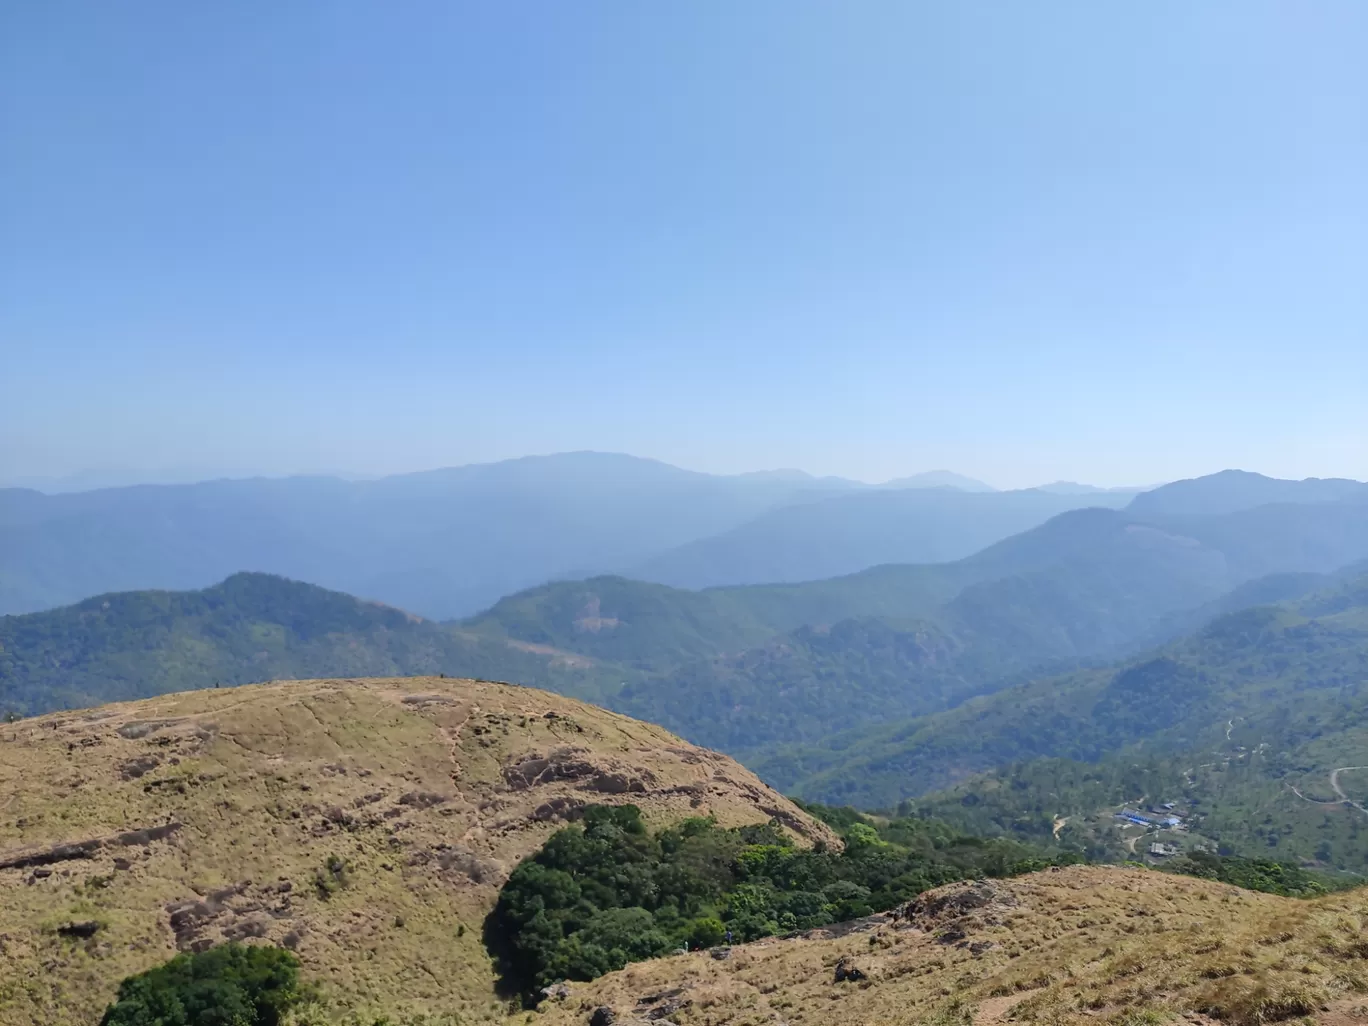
(1151, 564)
(251, 627)
(1234, 717)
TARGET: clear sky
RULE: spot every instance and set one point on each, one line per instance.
(1112, 242)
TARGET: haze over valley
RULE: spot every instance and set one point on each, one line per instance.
(449, 542)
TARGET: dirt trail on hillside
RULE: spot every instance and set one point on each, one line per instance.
(1335, 786)
(1341, 798)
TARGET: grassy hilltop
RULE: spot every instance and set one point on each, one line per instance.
(367, 824)
(1079, 945)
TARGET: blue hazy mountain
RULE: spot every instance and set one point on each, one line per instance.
(846, 533)
(443, 543)
(1232, 490)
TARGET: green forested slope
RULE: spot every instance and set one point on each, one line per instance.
(647, 625)
(1260, 663)
(1243, 723)
(806, 683)
(1122, 572)
(251, 627)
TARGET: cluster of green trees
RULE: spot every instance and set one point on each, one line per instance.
(1283, 878)
(230, 985)
(608, 891)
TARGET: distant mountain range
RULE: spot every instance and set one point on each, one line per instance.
(449, 542)
(747, 669)
(847, 533)
(1233, 490)
(443, 543)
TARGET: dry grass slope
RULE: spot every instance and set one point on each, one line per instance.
(1077, 945)
(368, 824)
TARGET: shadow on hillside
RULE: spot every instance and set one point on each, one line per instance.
(509, 984)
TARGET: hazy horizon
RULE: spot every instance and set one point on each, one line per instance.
(93, 478)
(1041, 242)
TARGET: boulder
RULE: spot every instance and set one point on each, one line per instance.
(847, 972)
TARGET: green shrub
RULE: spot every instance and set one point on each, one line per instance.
(705, 932)
(230, 985)
(1251, 873)
(332, 877)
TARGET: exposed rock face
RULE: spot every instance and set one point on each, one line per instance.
(556, 992)
(87, 849)
(953, 912)
(84, 930)
(319, 815)
(848, 971)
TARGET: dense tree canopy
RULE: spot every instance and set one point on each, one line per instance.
(230, 985)
(608, 891)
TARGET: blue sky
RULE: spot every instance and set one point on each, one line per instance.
(1119, 243)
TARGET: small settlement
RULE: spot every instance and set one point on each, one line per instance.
(1163, 819)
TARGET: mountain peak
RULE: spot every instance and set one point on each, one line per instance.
(1077, 488)
(939, 479)
(1230, 491)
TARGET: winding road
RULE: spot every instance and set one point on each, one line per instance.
(1343, 799)
(1334, 784)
